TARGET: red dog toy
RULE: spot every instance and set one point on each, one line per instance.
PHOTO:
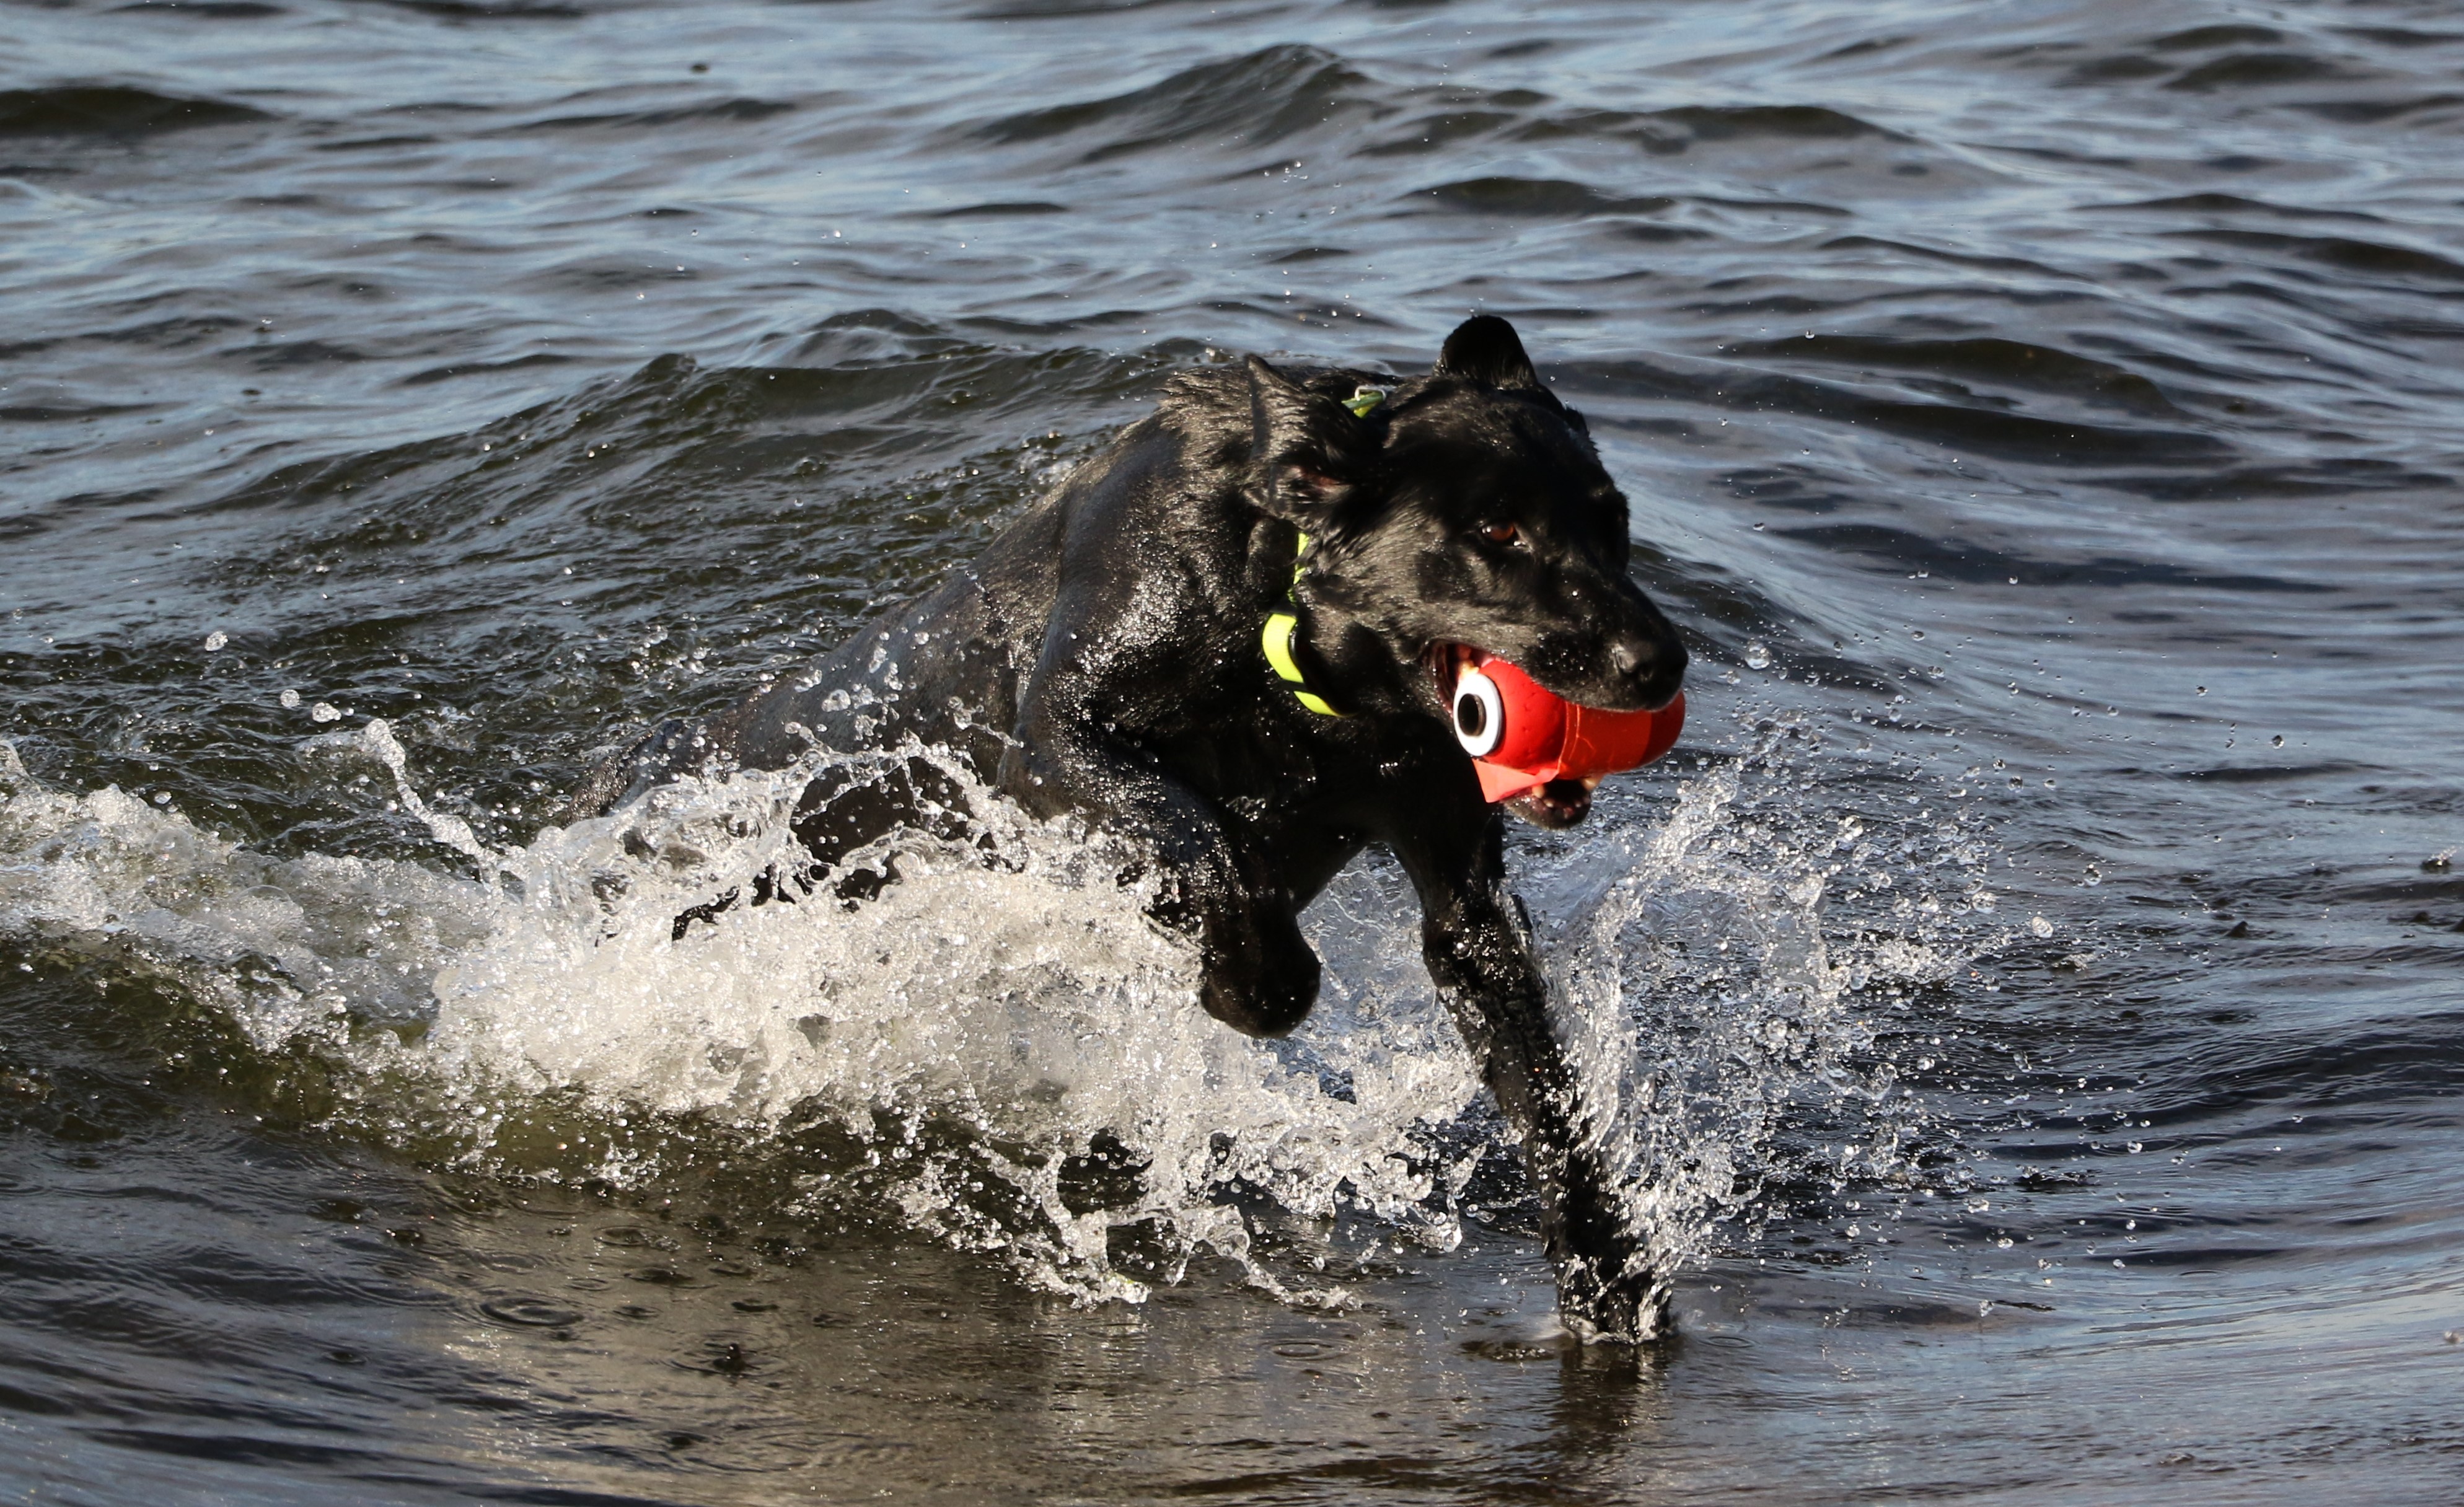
(1520, 737)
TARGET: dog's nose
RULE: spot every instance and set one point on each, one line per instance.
(1642, 656)
(1653, 666)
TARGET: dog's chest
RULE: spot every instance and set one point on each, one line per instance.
(1243, 752)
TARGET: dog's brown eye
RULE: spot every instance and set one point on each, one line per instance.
(1499, 533)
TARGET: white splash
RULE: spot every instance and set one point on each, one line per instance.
(285, 946)
(1007, 992)
(1708, 1008)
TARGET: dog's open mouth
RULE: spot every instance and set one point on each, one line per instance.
(1558, 803)
(1445, 661)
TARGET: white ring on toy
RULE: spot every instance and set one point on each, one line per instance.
(1480, 713)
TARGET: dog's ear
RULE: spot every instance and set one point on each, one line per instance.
(1311, 451)
(1485, 349)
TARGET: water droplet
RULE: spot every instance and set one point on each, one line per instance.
(2277, 741)
(2039, 926)
(324, 712)
(289, 699)
(1757, 654)
(218, 637)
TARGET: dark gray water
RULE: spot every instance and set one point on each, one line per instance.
(2030, 996)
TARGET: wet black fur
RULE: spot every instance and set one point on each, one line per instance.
(1102, 658)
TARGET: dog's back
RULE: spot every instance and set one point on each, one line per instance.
(1162, 499)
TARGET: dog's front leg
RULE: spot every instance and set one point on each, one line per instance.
(1258, 974)
(1479, 953)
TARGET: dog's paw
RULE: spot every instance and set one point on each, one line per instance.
(1620, 1307)
(1261, 982)
(1262, 1003)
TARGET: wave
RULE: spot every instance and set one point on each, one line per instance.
(2016, 364)
(2371, 112)
(1799, 122)
(1251, 101)
(1524, 116)
(492, 9)
(2255, 70)
(113, 110)
(2235, 204)
(1971, 431)
(2344, 253)
(1965, 560)
(1539, 198)
(724, 111)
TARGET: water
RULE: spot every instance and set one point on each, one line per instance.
(2028, 999)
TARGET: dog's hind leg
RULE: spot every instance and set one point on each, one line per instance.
(850, 807)
(1479, 952)
(708, 912)
(841, 814)
(674, 747)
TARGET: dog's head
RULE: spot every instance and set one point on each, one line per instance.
(1468, 510)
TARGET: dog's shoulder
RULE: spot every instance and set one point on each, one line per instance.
(1213, 406)
(1207, 408)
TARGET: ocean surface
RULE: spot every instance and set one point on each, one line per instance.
(2029, 1004)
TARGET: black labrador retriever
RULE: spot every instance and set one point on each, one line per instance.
(1230, 639)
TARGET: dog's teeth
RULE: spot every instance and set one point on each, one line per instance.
(1592, 781)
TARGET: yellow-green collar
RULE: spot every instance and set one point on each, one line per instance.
(1276, 640)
